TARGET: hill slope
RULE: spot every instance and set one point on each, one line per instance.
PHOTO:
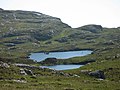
(23, 32)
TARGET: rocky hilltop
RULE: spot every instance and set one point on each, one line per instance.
(29, 24)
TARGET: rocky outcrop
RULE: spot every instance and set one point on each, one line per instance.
(85, 71)
(92, 28)
(97, 74)
(19, 81)
(22, 72)
(4, 65)
(60, 73)
(25, 66)
(62, 40)
(35, 25)
(29, 72)
(1, 9)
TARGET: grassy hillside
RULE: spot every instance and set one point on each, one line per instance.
(23, 32)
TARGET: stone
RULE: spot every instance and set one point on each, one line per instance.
(20, 81)
(62, 40)
(85, 71)
(5, 65)
(97, 74)
(22, 72)
(75, 75)
(29, 72)
(25, 66)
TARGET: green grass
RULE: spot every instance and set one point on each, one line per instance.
(43, 33)
(60, 83)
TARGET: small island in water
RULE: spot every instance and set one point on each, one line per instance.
(60, 55)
